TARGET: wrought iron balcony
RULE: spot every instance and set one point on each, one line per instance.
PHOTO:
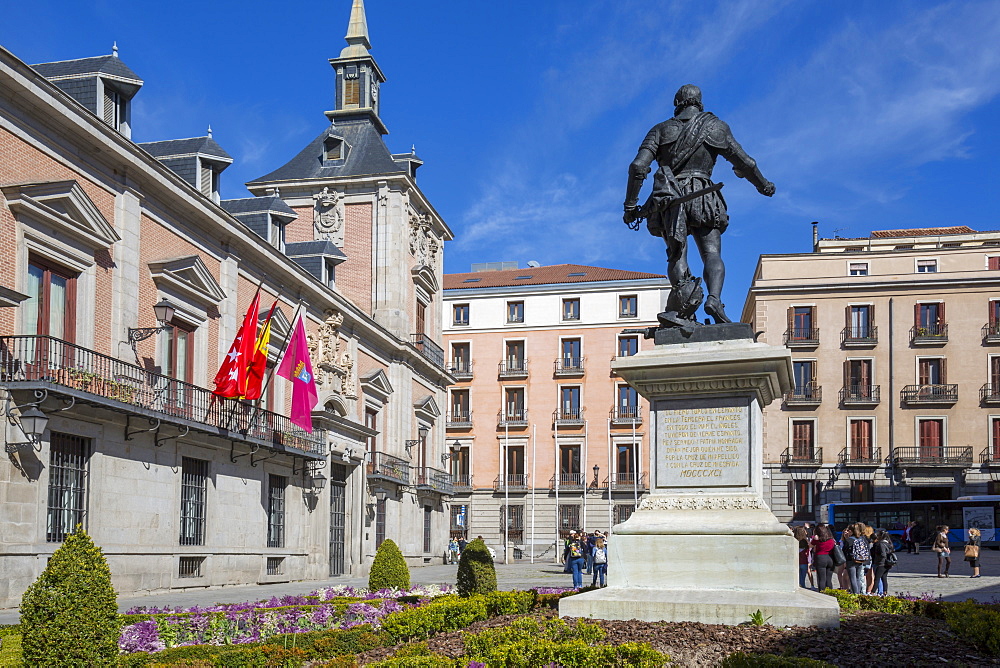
(462, 482)
(569, 482)
(513, 367)
(859, 337)
(930, 394)
(433, 480)
(517, 417)
(568, 418)
(802, 337)
(860, 395)
(89, 377)
(929, 335)
(427, 348)
(861, 457)
(991, 332)
(386, 467)
(956, 456)
(515, 482)
(620, 482)
(569, 366)
(802, 457)
(461, 369)
(989, 394)
(459, 420)
(990, 456)
(809, 394)
(626, 416)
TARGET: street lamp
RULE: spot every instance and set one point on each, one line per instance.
(32, 423)
(164, 312)
(597, 472)
(422, 432)
(456, 447)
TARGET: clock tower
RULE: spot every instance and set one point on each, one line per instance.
(358, 75)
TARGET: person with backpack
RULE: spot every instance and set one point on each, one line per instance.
(575, 559)
(599, 555)
(858, 553)
(943, 549)
(883, 559)
(823, 545)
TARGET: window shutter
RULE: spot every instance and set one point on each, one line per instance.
(791, 322)
(206, 180)
(791, 494)
(923, 372)
(941, 318)
(993, 310)
(812, 322)
(944, 370)
(994, 263)
(996, 438)
(109, 107)
(847, 321)
(847, 374)
(995, 373)
(916, 315)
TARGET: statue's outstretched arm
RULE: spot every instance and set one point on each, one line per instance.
(744, 166)
(637, 172)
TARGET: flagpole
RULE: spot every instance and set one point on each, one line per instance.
(277, 361)
(236, 402)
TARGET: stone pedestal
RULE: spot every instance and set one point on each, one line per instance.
(704, 546)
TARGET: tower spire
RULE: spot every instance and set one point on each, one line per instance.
(357, 33)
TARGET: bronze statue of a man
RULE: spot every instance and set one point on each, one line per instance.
(685, 202)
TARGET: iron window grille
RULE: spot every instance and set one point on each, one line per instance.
(68, 458)
(190, 567)
(623, 512)
(276, 510)
(275, 565)
(379, 522)
(194, 493)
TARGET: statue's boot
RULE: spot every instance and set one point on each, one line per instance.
(716, 309)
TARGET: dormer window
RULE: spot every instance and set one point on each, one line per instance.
(330, 273)
(333, 149)
(208, 181)
(114, 108)
(276, 235)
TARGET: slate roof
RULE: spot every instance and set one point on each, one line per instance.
(171, 147)
(265, 204)
(922, 232)
(557, 273)
(111, 65)
(366, 154)
(316, 247)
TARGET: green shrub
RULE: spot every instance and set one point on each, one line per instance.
(476, 573)
(69, 614)
(347, 641)
(509, 603)
(430, 661)
(977, 623)
(389, 569)
(447, 613)
(10, 648)
(744, 660)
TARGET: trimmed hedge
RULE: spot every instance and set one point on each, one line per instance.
(476, 572)
(744, 660)
(69, 615)
(389, 569)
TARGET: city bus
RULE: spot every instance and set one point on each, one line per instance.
(893, 516)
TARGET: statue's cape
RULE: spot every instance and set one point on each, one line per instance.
(691, 138)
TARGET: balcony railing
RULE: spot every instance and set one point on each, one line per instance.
(991, 332)
(625, 481)
(626, 415)
(930, 394)
(573, 416)
(803, 337)
(861, 457)
(802, 457)
(37, 362)
(515, 482)
(461, 369)
(513, 368)
(989, 394)
(568, 481)
(569, 366)
(427, 348)
(941, 455)
(517, 417)
(433, 480)
(860, 395)
(929, 334)
(386, 467)
(990, 456)
(462, 482)
(859, 336)
(809, 394)
(459, 420)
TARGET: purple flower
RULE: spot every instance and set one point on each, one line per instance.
(140, 637)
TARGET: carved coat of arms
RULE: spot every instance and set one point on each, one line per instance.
(328, 215)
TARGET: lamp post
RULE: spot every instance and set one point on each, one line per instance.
(32, 422)
(597, 472)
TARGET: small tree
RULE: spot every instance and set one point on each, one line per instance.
(476, 573)
(69, 616)
(389, 569)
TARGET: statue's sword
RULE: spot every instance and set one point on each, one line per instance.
(644, 211)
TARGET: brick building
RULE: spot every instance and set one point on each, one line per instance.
(125, 281)
(894, 341)
(537, 423)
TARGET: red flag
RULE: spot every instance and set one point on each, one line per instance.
(296, 367)
(258, 363)
(231, 381)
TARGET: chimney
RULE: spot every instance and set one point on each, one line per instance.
(815, 225)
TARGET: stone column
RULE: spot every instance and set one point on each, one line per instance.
(703, 546)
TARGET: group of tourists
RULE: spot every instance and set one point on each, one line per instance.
(585, 554)
(863, 556)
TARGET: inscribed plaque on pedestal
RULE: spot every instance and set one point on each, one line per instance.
(702, 443)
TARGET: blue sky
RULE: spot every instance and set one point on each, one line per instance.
(866, 115)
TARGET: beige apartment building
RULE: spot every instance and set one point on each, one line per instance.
(895, 341)
(543, 437)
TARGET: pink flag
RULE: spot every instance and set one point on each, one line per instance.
(296, 367)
